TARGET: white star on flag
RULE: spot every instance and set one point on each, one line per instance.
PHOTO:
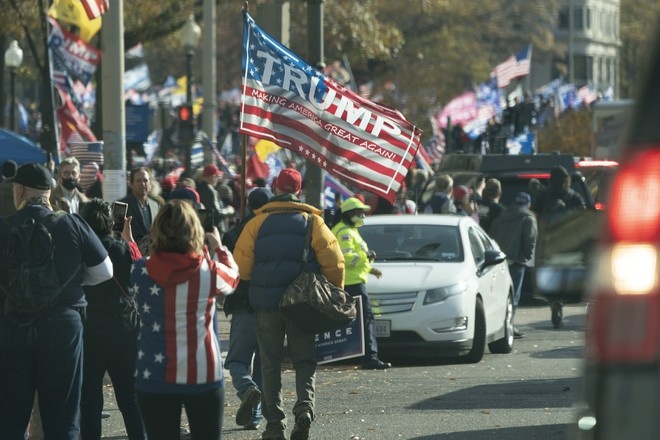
(159, 358)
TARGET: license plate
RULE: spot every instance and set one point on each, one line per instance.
(382, 328)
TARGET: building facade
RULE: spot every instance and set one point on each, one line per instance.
(589, 29)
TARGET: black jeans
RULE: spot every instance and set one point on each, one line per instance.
(110, 345)
(162, 414)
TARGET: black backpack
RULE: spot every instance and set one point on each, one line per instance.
(32, 282)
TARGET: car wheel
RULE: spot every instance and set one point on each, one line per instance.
(479, 340)
(505, 345)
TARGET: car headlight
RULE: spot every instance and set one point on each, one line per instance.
(442, 293)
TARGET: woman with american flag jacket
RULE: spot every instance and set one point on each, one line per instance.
(179, 359)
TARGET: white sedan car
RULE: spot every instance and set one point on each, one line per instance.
(445, 289)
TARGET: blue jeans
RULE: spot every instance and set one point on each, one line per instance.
(45, 357)
(243, 347)
(271, 328)
(517, 272)
(370, 342)
(110, 345)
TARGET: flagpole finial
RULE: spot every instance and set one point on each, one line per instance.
(246, 7)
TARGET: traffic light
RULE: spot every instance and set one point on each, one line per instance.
(186, 124)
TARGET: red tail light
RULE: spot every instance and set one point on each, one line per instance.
(624, 321)
(533, 175)
(634, 208)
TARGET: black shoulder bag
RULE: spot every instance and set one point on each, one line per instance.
(312, 302)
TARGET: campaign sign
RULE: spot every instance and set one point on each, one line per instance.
(345, 342)
(137, 122)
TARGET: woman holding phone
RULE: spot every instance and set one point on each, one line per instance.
(179, 358)
(111, 328)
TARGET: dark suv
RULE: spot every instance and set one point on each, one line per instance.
(513, 171)
(563, 247)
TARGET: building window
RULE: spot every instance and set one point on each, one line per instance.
(583, 69)
(578, 20)
(563, 19)
(588, 23)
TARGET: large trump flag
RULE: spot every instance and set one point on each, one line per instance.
(287, 101)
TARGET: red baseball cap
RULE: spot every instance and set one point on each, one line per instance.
(212, 170)
(461, 191)
(289, 181)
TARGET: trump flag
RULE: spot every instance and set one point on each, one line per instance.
(287, 101)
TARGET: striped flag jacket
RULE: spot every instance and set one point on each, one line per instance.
(178, 346)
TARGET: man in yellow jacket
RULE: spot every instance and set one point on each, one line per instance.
(269, 254)
(359, 260)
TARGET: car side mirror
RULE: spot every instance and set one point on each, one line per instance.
(491, 258)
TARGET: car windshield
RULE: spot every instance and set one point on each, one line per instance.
(413, 242)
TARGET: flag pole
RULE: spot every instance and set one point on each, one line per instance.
(244, 140)
(528, 79)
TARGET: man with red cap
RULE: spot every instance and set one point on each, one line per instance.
(269, 255)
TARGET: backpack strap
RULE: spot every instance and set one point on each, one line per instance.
(52, 220)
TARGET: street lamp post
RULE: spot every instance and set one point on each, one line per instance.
(190, 35)
(13, 60)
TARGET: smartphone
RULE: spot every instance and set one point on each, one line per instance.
(206, 218)
(119, 210)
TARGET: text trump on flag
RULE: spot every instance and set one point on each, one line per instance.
(292, 104)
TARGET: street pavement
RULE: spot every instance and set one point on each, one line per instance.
(528, 394)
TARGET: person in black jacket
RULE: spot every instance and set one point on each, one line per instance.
(142, 207)
(110, 331)
(558, 194)
(243, 351)
(515, 230)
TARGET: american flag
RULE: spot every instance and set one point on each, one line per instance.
(95, 8)
(178, 341)
(586, 95)
(514, 67)
(332, 186)
(287, 101)
(435, 147)
(87, 152)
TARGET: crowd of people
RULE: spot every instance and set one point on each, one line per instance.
(143, 309)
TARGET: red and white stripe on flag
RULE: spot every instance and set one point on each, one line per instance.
(514, 67)
(287, 101)
(95, 8)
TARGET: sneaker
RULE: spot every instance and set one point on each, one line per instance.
(273, 435)
(517, 334)
(249, 400)
(301, 428)
(376, 364)
(252, 425)
(254, 422)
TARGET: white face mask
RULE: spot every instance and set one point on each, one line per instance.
(358, 220)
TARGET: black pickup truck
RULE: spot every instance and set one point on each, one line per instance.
(564, 245)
